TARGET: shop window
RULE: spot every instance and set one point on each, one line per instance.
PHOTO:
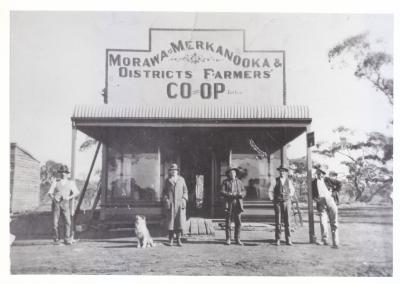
(133, 177)
(254, 175)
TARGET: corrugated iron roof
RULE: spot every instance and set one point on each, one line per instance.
(192, 112)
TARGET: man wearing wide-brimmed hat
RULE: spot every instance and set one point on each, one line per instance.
(326, 207)
(233, 192)
(281, 190)
(61, 191)
(175, 197)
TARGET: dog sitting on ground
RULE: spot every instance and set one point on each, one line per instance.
(142, 233)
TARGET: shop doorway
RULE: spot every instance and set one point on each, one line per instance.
(203, 157)
(196, 168)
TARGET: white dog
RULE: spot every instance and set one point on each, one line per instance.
(142, 233)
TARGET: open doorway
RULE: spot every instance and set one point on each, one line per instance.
(195, 160)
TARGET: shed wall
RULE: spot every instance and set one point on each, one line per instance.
(24, 181)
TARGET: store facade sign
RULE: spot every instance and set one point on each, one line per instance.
(202, 67)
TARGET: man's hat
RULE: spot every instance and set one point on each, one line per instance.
(231, 168)
(282, 168)
(173, 167)
(333, 174)
(318, 167)
(63, 169)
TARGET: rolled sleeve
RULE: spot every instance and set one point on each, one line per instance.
(271, 189)
(224, 191)
(242, 190)
(291, 188)
(74, 188)
(52, 188)
(185, 191)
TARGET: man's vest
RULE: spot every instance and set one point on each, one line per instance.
(281, 191)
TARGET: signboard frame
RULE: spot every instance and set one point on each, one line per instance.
(149, 49)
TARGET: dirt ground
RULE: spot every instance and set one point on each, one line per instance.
(366, 250)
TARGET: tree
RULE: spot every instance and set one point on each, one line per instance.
(91, 190)
(369, 64)
(87, 144)
(47, 173)
(366, 161)
(298, 171)
(48, 170)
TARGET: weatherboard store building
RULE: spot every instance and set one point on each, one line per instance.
(198, 98)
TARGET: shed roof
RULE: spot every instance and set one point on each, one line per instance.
(15, 145)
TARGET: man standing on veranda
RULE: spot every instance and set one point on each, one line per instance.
(281, 191)
(62, 190)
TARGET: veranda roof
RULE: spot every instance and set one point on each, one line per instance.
(181, 115)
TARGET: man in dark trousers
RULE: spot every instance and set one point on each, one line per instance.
(326, 207)
(280, 191)
(233, 192)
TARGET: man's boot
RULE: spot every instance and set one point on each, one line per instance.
(179, 236)
(171, 238)
(228, 235)
(334, 241)
(289, 242)
(237, 236)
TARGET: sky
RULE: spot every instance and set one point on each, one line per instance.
(57, 60)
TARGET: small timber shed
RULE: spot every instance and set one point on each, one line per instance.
(24, 179)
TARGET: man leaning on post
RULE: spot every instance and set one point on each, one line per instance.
(281, 191)
(326, 207)
(61, 191)
(334, 186)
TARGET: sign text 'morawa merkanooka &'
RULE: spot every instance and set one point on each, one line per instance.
(201, 70)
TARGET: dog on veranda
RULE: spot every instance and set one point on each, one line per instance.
(142, 233)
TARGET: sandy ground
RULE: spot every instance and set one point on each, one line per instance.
(366, 250)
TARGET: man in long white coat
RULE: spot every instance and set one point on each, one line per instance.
(175, 197)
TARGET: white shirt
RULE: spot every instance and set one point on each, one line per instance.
(62, 189)
(322, 189)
